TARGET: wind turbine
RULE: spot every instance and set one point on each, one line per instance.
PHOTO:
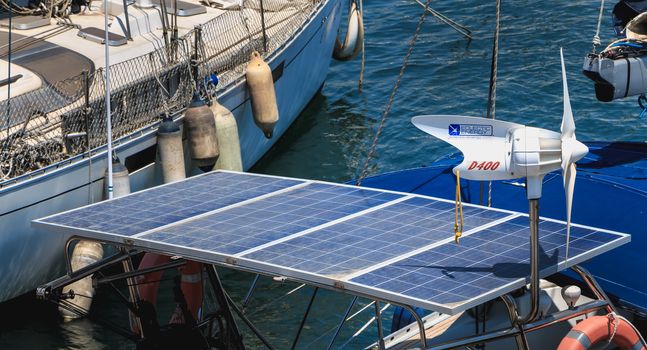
(499, 150)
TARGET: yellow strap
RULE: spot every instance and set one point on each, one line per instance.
(458, 211)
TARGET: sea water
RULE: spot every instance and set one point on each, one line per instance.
(447, 74)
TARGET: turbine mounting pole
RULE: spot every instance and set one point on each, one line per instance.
(533, 214)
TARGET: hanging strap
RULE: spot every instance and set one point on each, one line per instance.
(458, 210)
(596, 37)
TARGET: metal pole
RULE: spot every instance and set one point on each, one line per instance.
(196, 55)
(134, 273)
(341, 323)
(593, 285)
(534, 262)
(305, 316)
(224, 304)
(128, 36)
(132, 290)
(380, 332)
(263, 26)
(86, 119)
(421, 325)
(108, 106)
(513, 314)
(248, 296)
(248, 322)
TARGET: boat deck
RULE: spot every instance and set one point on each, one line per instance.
(380, 244)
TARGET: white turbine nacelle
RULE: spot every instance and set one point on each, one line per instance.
(499, 150)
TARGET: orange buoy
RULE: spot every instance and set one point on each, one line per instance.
(191, 285)
(599, 329)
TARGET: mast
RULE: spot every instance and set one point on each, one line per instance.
(108, 106)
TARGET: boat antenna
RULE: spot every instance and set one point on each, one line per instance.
(108, 106)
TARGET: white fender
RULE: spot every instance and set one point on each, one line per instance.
(354, 36)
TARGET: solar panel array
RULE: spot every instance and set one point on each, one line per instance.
(393, 246)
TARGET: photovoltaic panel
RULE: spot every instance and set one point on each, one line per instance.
(270, 219)
(393, 246)
(494, 260)
(163, 205)
(374, 237)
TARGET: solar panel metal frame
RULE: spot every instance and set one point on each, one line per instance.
(343, 283)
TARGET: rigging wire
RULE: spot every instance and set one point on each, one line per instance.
(596, 37)
(461, 29)
(491, 101)
(396, 86)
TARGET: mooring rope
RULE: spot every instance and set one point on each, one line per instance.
(396, 86)
(361, 70)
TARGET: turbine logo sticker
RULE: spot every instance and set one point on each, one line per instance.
(470, 130)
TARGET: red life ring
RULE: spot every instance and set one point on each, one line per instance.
(191, 285)
(598, 329)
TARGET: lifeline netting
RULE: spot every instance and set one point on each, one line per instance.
(67, 118)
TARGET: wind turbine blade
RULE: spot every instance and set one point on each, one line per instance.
(568, 124)
(569, 174)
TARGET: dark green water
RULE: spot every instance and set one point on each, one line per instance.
(446, 75)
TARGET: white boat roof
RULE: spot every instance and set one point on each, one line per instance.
(392, 246)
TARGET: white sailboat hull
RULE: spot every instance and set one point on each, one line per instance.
(29, 257)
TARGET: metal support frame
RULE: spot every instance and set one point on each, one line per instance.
(513, 313)
(305, 317)
(341, 323)
(45, 291)
(139, 272)
(132, 290)
(221, 296)
(248, 296)
(421, 324)
(594, 286)
(380, 332)
(248, 322)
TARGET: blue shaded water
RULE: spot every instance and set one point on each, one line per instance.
(446, 75)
